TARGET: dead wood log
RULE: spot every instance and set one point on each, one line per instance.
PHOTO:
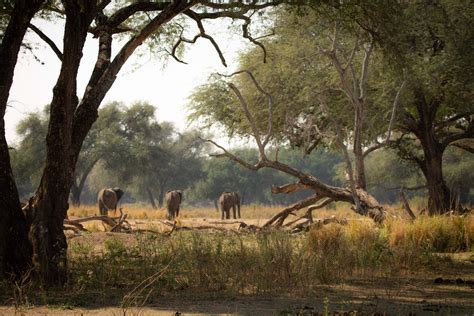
(406, 205)
(74, 229)
(117, 224)
(318, 223)
(226, 222)
(279, 218)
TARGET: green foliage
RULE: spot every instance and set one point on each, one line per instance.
(29, 155)
(300, 77)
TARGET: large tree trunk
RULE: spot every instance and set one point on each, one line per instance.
(161, 196)
(75, 195)
(151, 198)
(439, 195)
(15, 249)
(50, 203)
(76, 189)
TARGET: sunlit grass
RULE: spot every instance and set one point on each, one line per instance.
(104, 267)
(248, 211)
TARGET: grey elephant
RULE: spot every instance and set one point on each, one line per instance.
(173, 200)
(229, 200)
(108, 199)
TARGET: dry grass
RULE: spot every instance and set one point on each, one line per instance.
(105, 267)
(250, 211)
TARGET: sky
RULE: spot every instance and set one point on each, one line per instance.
(142, 78)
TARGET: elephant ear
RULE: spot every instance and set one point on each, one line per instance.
(180, 195)
(119, 193)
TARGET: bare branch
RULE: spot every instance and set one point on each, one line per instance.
(239, 4)
(320, 205)
(47, 40)
(365, 69)
(396, 103)
(353, 52)
(270, 102)
(281, 216)
(290, 188)
(335, 37)
(406, 205)
(467, 133)
(251, 120)
(464, 147)
(202, 33)
(237, 15)
(231, 156)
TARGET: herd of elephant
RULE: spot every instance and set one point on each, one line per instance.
(108, 199)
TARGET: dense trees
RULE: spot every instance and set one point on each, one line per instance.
(334, 74)
(70, 119)
(436, 111)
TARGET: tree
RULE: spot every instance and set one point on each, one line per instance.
(71, 120)
(15, 249)
(323, 193)
(326, 82)
(29, 154)
(438, 112)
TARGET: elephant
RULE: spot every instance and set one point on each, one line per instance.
(108, 199)
(173, 200)
(229, 200)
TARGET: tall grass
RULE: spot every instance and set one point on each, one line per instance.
(216, 263)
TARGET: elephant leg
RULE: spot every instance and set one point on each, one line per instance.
(227, 213)
(102, 209)
(222, 213)
(177, 211)
(238, 210)
(234, 211)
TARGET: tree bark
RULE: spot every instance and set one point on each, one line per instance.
(151, 198)
(75, 195)
(15, 249)
(439, 195)
(50, 203)
(161, 196)
(358, 150)
(76, 189)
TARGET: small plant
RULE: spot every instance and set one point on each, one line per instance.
(114, 248)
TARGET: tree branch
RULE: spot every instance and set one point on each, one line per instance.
(464, 147)
(251, 120)
(270, 102)
(47, 40)
(365, 70)
(396, 103)
(202, 33)
(290, 188)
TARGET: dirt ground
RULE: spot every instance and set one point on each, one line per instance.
(402, 296)
(442, 292)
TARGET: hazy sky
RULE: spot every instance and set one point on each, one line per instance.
(140, 79)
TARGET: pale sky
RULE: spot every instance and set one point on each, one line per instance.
(140, 79)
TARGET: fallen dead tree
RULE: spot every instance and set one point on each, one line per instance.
(363, 203)
(116, 224)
